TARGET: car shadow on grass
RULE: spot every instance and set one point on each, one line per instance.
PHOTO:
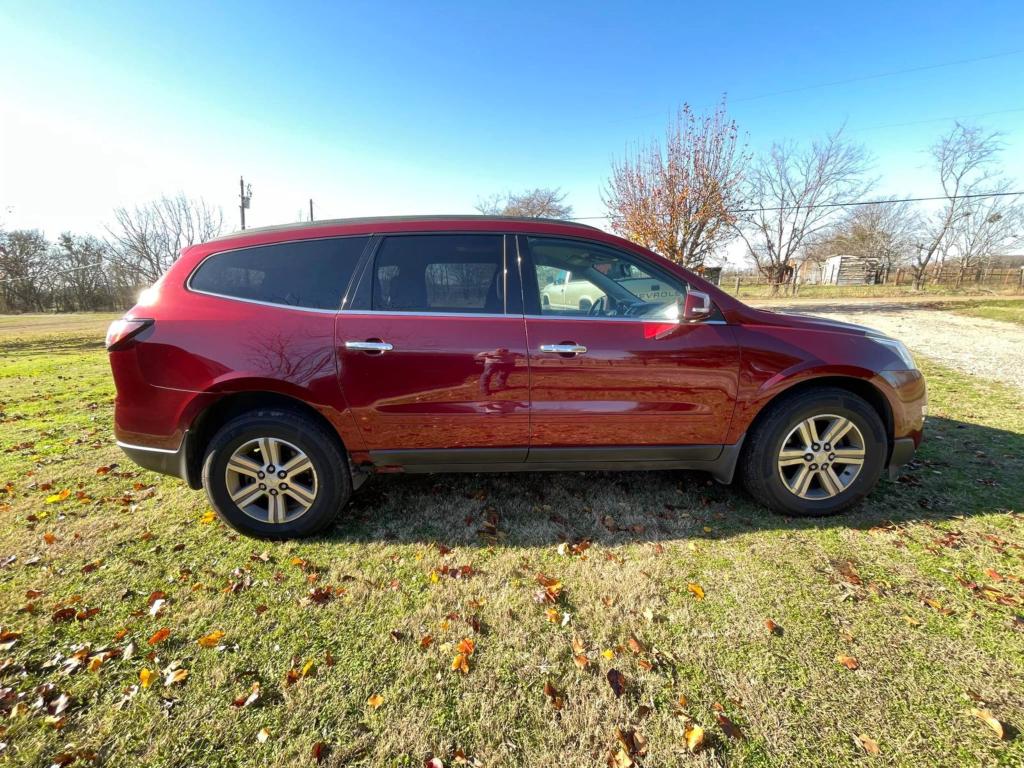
(961, 470)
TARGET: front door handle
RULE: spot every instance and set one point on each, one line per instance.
(569, 348)
(370, 345)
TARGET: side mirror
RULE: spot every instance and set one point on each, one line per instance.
(696, 307)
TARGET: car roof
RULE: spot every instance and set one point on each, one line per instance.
(367, 222)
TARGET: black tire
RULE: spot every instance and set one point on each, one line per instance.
(759, 464)
(334, 484)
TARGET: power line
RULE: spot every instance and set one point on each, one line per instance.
(935, 120)
(849, 204)
(861, 78)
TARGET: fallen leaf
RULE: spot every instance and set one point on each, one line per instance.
(617, 681)
(426, 640)
(696, 589)
(772, 627)
(49, 538)
(729, 727)
(460, 664)
(211, 640)
(262, 736)
(466, 646)
(620, 759)
(850, 662)
(694, 736)
(581, 660)
(159, 636)
(319, 753)
(208, 517)
(636, 646)
(990, 720)
(307, 668)
(866, 743)
(555, 698)
(145, 677)
(58, 496)
(375, 701)
(175, 677)
(247, 700)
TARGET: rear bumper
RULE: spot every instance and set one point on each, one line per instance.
(902, 452)
(166, 461)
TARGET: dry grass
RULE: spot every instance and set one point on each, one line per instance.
(954, 515)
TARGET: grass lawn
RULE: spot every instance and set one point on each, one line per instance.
(891, 624)
(889, 290)
(1007, 310)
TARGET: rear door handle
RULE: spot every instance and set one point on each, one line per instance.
(370, 345)
(564, 349)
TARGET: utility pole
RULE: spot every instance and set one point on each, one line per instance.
(244, 196)
(311, 209)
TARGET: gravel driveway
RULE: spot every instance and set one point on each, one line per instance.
(988, 348)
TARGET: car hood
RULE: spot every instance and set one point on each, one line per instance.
(808, 322)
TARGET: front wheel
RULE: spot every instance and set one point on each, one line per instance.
(815, 453)
(276, 474)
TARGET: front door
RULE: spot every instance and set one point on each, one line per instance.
(615, 369)
(433, 359)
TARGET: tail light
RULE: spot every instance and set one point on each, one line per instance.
(124, 330)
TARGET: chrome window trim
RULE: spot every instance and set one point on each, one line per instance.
(622, 319)
(385, 313)
(207, 257)
(397, 313)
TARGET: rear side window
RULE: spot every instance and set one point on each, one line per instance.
(440, 273)
(312, 274)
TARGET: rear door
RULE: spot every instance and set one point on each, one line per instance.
(432, 353)
(618, 370)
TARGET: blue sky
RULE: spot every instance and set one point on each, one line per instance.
(375, 108)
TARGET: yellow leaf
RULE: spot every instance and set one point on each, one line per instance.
(262, 736)
(553, 615)
(696, 589)
(375, 701)
(307, 668)
(145, 677)
(95, 663)
(175, 676)
(694, 735)
(460, 664)
(434, 578)
(620, 759)
(990, 720)
(211, 640)
(58, 496)
(208, 517)
(608, 653)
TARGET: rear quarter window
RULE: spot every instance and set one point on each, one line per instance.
(311, 274)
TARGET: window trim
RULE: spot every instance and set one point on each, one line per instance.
(362, 291)
(299, 308)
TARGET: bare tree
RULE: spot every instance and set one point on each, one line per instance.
(885, 231)
(987, 227)
(146, 240)
(676, 199)
(23, 269)
(79, 279)
(792, 193)
(965, 160)
(542, 202)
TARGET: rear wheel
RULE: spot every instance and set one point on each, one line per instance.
(276, 474)
(815, 453)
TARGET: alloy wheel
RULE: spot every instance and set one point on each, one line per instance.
(271, 480)
(821, 457)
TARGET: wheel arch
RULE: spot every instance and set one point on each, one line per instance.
(225, 408)
(863, 389)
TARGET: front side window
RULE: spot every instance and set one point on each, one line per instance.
(440, 273)
(311, 274)
(579, 278)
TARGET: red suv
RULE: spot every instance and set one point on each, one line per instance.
(278, 368)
